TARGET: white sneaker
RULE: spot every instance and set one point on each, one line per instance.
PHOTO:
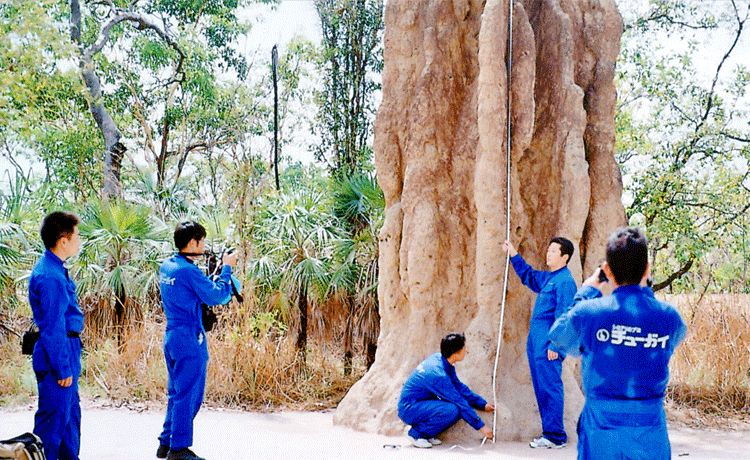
(544, 443)
(421, 443)
(435, 441)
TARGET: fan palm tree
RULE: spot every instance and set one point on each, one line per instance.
(16, 244)
(358, 202)
(295, 242)
(123, 244)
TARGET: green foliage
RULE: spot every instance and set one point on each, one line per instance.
(351, 54)
(682, 142)
(122, 245)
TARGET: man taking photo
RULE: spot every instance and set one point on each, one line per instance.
(184, 288)
(626, 341)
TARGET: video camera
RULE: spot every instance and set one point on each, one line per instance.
(212, 270)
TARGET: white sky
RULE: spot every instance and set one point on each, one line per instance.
(290, 18)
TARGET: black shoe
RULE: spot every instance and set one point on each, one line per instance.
(162, 451)
(183, 454)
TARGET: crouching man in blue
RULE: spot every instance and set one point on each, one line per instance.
(184, 287)
(555, 289)
(433, 399)
(626, 341)
(57, 353)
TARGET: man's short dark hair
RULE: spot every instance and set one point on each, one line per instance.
(451, 344)
(57, 225)
(566, 246)
(627, 255)
(186, 231)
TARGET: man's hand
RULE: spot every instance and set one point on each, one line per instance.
(552, 355)
(65, 383)
(489, 408)
(509, 248)
(487, 432)
(230, 259)
(594, 281)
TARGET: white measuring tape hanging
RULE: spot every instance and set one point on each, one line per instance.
(509, 68)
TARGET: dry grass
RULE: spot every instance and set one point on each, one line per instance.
(253, 364)
(709, 374)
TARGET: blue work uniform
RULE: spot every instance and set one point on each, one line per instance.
(555, 291)
(56, 356)
(433, 399)
(626, 341)
(184, 287)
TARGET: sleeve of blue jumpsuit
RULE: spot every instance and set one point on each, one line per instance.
(680, 330)
(472, 398)
(533, 279)
(210, 292)
(565, 334)
(52, 333)
(443, 387)
(564, 296)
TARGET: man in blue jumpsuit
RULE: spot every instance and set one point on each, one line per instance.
(626, 341)
(57, 354)
(555, 289)
(433, 398)
(184, 287)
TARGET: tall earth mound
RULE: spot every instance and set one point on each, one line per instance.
(440, 156)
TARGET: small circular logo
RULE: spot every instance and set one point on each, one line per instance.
(602, 335)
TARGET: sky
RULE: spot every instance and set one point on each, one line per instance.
(297, 18)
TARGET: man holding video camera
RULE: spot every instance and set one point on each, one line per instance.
(184, 289)
(625, 340)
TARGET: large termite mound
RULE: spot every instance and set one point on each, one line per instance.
(440, 156)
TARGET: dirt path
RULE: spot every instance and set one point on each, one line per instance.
(121, 434)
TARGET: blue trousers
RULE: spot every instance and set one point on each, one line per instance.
(186, 356)
(546, 377)
(616, 429)
(58, 417)
(429, 418)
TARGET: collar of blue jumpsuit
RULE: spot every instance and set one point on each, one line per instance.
(446, 364)
(628, 289)
(186, 257)
(52, 257)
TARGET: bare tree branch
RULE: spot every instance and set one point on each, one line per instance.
(675, 276)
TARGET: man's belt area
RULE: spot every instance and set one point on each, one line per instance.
(74, 335)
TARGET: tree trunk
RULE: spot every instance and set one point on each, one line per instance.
(113, 149)
(348, 336)
(302, 333)
(371, 348)
(120, 316)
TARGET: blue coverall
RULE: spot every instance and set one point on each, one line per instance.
(626, 341)
(184, 287)
(56, 356)
(555, 295)
(433, 399)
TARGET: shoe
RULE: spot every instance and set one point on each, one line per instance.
(183, 454)
(162, 451)
(421, 443)
(435, 441)
(544, 443)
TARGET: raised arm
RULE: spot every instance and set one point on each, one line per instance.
(565, 334)
(533, 279)
(212, 292)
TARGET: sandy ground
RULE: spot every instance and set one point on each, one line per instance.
(122, 434)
